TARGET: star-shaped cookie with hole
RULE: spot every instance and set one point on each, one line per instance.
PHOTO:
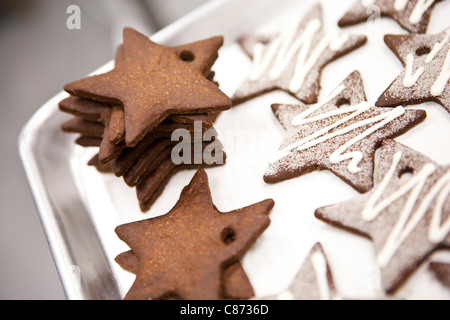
(292, 61)
(406, 214)
(155, 81)
(340, 133)
(411, 15)
(184, 253)
(426, 59)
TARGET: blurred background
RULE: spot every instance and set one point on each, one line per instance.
(38, 55)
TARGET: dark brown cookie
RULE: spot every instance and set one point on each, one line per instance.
(441, 272)
(116, 131)
(117, 123)
(156, 153)
(412, 15)
(184, 253)
(340, 134)
(105, 168)
(148, 161)
(109, 151)
(88, 141)
(84, 108)
(314, 280)
(94, 111)
(406, 214)
(84, 127)
(93, 129)
(152, 184)
(426, 59)
(236, 284)
(128, 156)
(92, 133)
(293, 60)
(160, 81)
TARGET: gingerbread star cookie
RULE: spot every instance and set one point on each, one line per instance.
(88, 141)
(292, 61)
(184, 253)
(406, 214)
(412, 15)
(152, 181)
(426, 59)
(155, 81)
(314, 280)
(340, 133)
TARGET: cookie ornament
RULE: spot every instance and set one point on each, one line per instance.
(406, 214)
(184, 253)
(154, 81)
(340, 133)
(411, 15)
(292, 61)
(426, 59)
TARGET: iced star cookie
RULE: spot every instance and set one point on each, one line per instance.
(293, 60)
(406, 214)
(426, 59)
(340, 133)
(412, 15)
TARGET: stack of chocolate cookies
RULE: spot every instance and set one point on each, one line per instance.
(152, 115)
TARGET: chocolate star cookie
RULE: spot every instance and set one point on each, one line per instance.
(152, 183)
(406, 214)
(96, 134)
(184, 253)
(293, 60)
(340, 134)
(104, 168)
(426, 59)
(88, 141)
(412, 15)
(314, 281)
(155, 81)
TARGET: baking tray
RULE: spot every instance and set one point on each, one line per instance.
(80, 207)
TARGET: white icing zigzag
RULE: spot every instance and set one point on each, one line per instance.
(409, 219)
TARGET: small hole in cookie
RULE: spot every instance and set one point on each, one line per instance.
(228, 235)
(422, 51)
(405, 174)
(187, 56)
(343, 103)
